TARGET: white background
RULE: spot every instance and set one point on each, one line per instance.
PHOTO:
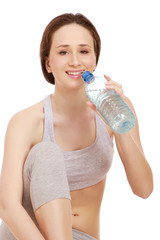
(130, 55)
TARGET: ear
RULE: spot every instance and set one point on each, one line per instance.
(47, 64)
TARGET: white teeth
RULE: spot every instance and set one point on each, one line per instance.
(74, 73)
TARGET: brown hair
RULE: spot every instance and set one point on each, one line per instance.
(54, 25)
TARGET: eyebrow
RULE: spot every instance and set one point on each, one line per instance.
(67, 45)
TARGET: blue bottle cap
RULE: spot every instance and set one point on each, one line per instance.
(87, 76)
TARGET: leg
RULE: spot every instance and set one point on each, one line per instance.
(49, 192)
(54, 219)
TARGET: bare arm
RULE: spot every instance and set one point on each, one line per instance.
(137, 169)
(129, 146)
(17, 145)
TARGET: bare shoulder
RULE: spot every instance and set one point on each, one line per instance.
(24, 130)
(26, 126)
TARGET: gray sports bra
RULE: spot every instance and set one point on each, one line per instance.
(84, 167)
(87, 166)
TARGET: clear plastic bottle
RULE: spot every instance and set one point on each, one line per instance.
(109, 104)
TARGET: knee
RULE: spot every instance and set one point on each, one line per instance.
(44, 154)
(48, 179)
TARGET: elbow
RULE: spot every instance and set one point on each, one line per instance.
(145, 193)
(144, 189)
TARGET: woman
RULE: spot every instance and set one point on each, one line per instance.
(58, 152)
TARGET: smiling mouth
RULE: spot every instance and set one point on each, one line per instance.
(73, 73)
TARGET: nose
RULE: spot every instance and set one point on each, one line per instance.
(74, 60)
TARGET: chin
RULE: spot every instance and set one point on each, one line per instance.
(78, 85)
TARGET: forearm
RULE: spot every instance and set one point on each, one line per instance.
(20, 223)
(137, 169)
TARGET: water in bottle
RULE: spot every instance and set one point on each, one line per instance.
(109, 104)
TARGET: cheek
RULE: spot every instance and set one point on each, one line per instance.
(55, 63)
(90, 62)
(52, 61)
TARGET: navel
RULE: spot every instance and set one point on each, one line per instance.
(75, 214)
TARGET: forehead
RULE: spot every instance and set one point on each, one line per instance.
(72, 33)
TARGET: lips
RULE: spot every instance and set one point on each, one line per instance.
(75, 73)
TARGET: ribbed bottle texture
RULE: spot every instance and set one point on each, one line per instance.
(109, 104)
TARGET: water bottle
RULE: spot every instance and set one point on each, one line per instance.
(109, 104)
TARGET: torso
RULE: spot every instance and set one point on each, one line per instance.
(85, 202)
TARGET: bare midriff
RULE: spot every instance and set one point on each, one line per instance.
(86, 205)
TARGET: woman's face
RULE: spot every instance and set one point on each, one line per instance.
(71, 53)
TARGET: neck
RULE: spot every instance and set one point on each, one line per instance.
(70, 103)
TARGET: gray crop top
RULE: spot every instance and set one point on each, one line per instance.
(87, 166)
(83, 168)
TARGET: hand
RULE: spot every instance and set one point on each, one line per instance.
(110, 85)
(114, 86)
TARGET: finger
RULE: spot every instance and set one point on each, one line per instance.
(91, 105)
(113, 83)
(107, 77)
(117, 89)
(120, 93)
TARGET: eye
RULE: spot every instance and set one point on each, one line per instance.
(84, 51)
(63, 52)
